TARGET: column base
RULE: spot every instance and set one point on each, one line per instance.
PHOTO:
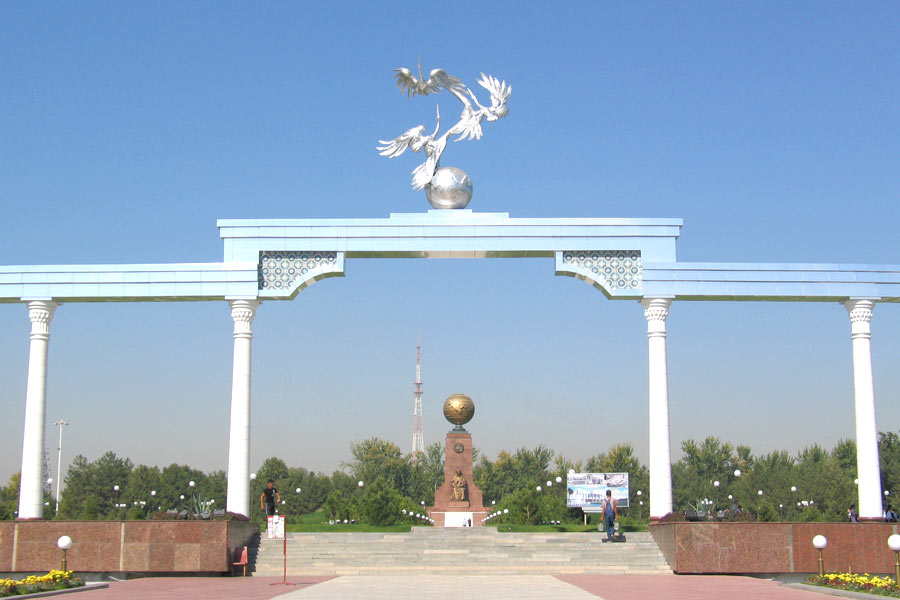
(870, 519)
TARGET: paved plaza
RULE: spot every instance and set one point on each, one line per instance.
(456, 587)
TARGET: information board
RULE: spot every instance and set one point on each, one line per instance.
(275, 527)
(588, 490)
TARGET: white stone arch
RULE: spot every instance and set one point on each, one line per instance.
(626, 259)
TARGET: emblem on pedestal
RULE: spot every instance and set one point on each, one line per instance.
(445, 187)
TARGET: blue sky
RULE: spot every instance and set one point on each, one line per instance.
(127, 129)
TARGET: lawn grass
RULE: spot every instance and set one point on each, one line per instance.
(626, 526)
(317, 522)
(349, 528)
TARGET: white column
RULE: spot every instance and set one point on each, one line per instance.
(242, 312)
(656, 310)
(31, 504)
(868, 470)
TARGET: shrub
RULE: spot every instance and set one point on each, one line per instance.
(54, 580)
(882, 586)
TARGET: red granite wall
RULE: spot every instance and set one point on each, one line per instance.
(123, 546)
(852, 547)
(7, 531)
(665, 539)
(774, 547)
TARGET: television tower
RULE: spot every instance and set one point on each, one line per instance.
(418, 440)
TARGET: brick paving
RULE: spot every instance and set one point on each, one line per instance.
(199, 588)
(686, 587)
(454, 587)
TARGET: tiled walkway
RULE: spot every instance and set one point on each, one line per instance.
(198, 588)
(685, 587)
(459, 587)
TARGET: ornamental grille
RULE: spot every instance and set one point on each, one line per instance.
(615, 270)
(279, 270)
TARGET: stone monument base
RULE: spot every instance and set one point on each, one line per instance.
(450, 512)
(458, 518)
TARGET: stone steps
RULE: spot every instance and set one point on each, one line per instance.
(475, 550)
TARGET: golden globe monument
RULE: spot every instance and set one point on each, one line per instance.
(458, 502)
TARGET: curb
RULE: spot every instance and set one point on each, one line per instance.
(85, 588)
(820, 589)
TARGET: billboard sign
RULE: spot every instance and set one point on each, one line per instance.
(588, 490)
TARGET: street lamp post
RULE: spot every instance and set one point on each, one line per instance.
(64, 543)
(894, 544)
(59, 424)
(820, 542)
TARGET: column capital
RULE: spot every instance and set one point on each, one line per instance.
(656, 309)
(242, 313)
(860, 312)
(40, 313)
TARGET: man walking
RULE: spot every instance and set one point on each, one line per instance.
(268, 498)
(610, 514)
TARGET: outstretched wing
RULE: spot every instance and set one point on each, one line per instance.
(438, 79)
(397, 146)
(423, 174)
(469, 126)
(499, 95)
(406, 81)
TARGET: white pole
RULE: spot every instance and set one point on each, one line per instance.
(31, 503)
(868, 469)
(238, 496)
(59, 424)
(656, 310)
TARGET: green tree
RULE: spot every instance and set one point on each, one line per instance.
(95, 480)
(844, 453)
(142, 482)
(511, 472)
(9, 498)
(427, 473)
(374, 458)
(175, 483)
(525, 505)
(272, 468)
(889, 453)
(380, 504)
(337, 506)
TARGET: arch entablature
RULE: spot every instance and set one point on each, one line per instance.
(274, 259)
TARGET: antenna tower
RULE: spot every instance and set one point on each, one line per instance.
(418, 440)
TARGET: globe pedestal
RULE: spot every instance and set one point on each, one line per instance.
(448, 511)
(450, 188)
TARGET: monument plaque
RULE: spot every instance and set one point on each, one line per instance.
(458, 502)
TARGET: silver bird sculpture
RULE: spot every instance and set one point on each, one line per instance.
(467, 128)
(437, 79)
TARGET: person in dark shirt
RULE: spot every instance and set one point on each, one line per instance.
(268, 498)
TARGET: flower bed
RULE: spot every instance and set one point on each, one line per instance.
(54, 580)
(872, 584)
